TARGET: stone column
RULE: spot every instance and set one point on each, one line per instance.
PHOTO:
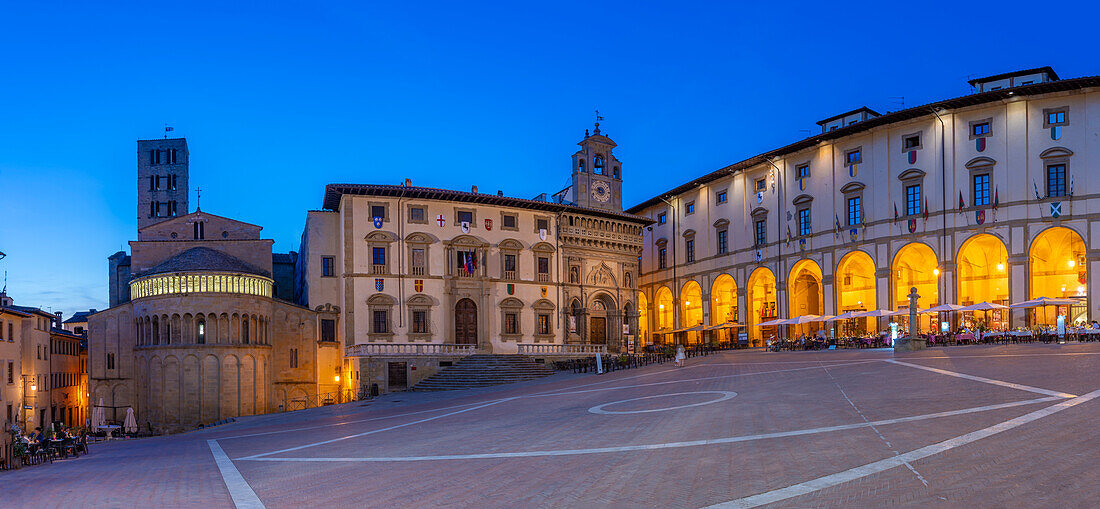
(1017, 288)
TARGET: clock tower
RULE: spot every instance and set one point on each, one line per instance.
(597, 174)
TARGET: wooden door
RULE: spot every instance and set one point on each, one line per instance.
(598, 330)
(465, 322)
(397, 375)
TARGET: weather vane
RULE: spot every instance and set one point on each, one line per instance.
(198, 199)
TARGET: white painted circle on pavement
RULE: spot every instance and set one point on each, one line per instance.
(599, 409)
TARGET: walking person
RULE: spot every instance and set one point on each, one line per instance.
(680, 356)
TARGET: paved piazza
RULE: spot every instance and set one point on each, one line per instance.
(986, 426)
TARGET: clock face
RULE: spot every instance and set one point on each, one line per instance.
(601, 191)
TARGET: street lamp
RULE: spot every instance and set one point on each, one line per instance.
(33, 387)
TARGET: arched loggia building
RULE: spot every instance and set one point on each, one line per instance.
(986, 197)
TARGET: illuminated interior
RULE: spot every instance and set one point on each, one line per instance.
(723, 296)
(643, 319)
(1058, 270)
(856, 291)
(664, 309)
(916, 266)
(164, 284)
(691, 310)
(804, 296)
(762, 304)
(982, 267)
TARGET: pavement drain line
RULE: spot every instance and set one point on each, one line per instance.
(723, 396)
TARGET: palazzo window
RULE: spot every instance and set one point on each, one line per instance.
(417, 215)
(465, 216)
(418, 261)
(661, 218)
(419, 321)
(855, 210)
(380, 323)
(543, 268)
(761, 184)
(328, 266)
(1055, 117)
(912, 200)
(1056, 180)
(853, 157)
(508, 222)
(761, 232)
(911, 142)
(804, 222)
(723, 242)
(689, 209)
(511, 323)
(802, 171)
(542, 224)
(509, 266)
(378, 260)
(543, 327)
(981, 190)
(293, 357)
(662, 258)
(720, 197)
(328, 330)
(378, 211)
(689, 250)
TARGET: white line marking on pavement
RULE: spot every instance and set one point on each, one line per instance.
(239, 490)
(570, 392)
(987, 380)
(889, 463)
(323, 442)
(874, 428)
(345, 423)
(723, 395)
(669, 445)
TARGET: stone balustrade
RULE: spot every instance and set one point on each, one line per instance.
(407, 349)
(548, 349)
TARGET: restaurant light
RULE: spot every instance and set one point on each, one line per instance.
(1000, 267)
(936, 271)
(1080, 290)
(1071, 263)
(337, 378)
(34, 387)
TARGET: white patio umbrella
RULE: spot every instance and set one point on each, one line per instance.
(130, 425)
(843, 316)
(983, 306)
(98, 418)
(769, 323)
(905, 312)
(799, 320)
(873, 313)
(945, 308)
(1043, 301)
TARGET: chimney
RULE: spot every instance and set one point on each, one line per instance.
(58, 315)
(408, 182)
(473, 189)
(500, 193)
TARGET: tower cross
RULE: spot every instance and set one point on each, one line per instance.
(198, 198)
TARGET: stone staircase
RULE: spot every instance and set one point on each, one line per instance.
(484, 371)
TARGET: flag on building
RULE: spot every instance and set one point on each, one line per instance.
(962, 205)
(996, 199)
(926, 209)
(1036, 186)
(836, 232)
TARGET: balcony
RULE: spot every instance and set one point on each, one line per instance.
(544, 277)
(378, 269)
(509, 275)
(408, 349)
(418, 271)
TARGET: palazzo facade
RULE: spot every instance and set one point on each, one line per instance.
(987, 197)
(418, 269)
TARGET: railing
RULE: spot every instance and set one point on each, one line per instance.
(403, 349)
(510, 275)
(465, 275)
(544, 277)
(378, 269)
(536, 349)
(323, 399)
(418, 271)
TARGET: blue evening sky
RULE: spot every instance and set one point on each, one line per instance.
(278, 99)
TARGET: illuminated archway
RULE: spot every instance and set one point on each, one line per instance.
(804, 296)
(761, 302)
(916, 266)
(856, 290)
(664, 310)
(982, 274)
(1057, 268)
(723, 306)
(691, 310)
(643, 319)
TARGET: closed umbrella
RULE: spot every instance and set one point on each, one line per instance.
(97, 415)
(130, 425)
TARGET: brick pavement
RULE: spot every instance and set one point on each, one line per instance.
(547, 450)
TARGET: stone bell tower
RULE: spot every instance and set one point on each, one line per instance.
(597, 174)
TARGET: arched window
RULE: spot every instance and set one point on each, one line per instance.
(244, 330)
(580, 166)
(200, 331)
(597, 165)
(615, 172)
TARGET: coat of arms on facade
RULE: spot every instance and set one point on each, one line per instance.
(542, 233)
(377, 222)
(465, 227)
(439, 219)
(912, 225)
(379, 284)
(488, 225)
(418, 285)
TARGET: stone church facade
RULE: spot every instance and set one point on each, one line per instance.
(202, 325)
